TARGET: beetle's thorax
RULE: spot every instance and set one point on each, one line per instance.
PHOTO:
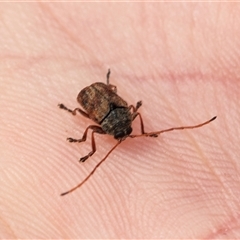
(118, 123)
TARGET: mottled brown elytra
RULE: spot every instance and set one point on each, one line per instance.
(114, 117)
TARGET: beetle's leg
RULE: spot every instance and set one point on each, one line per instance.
(96, 129)
(108, 76)
(135, 114)
(84, 137)
(138, 105)
(62, 106)
(110, 86)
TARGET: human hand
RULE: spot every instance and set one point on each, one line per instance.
(181, 60)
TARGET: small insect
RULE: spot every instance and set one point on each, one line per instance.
(102, 105)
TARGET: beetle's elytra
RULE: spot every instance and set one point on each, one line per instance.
(113, 115)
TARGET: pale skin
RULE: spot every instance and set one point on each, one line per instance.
(181, 60)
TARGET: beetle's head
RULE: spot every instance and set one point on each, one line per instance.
(122, 133)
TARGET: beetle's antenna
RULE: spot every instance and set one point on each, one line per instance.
(155, 134)
(92, 172)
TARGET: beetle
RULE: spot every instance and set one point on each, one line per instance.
(114, 117)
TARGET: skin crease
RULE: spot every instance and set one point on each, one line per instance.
(181, 60)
